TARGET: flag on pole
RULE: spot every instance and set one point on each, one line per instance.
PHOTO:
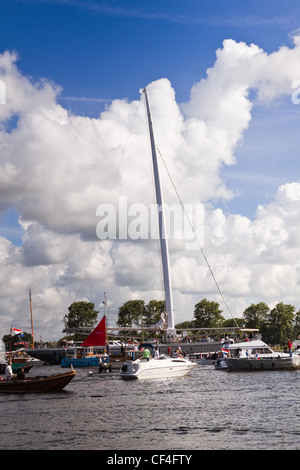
(225, 352)
(15, 331)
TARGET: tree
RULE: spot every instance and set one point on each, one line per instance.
(131, 312)
(279, 326)
(207, 314)
(256, 315)
(16, 341)
(297, 325)
(153, 311)
(233, 322)
(186, 325)
(81, 314)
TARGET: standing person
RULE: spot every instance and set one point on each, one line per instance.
(156, 353)
(146, 354)
(8, 372)
(290, 347)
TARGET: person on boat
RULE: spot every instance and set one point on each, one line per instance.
(21, 375)
(146, 354)
(8, 372)
(135, 351)
(290, 347)
(241, 353)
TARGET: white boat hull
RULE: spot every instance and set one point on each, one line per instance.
(163, 367)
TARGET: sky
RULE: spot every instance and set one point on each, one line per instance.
(223, 80)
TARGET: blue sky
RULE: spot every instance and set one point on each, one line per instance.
(108, 50)
(98, 52)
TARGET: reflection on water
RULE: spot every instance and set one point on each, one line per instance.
(209, 409)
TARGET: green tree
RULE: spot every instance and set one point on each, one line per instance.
(233, 322)
(207, 314)
(186, 325)
(81, 314)
(256, 315)
(153, 311)
(131, 312)
(297, 325)
(279, 326)
(12, 342)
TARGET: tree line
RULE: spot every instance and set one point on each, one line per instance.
(276, 325)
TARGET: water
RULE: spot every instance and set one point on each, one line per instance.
(208, 410)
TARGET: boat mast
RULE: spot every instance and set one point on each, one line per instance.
(162, 228)
(30, 302)
(106, 323)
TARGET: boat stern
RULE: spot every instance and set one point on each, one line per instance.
(129, 370)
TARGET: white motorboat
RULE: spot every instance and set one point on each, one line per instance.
(255, 355)
(162, 367)
(238, 350)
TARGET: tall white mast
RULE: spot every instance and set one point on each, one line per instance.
(162, 228)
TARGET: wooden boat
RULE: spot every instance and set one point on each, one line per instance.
(52, 383)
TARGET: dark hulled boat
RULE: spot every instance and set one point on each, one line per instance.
(52, 383)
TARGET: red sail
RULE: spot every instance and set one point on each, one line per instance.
(97, 337)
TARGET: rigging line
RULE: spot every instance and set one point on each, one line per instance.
(192, 228)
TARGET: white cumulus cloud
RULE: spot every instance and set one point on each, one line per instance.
(56, 168)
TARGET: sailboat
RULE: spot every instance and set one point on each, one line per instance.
(163, 365)
(87, 355)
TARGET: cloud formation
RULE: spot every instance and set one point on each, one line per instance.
(56, 168)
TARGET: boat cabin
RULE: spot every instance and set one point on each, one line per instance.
(256, 346)
(79, 352)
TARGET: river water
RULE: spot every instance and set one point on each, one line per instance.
(208, 410)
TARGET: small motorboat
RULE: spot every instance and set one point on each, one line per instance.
(51, 383)
(162, 367)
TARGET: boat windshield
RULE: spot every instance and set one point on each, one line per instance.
(162, 357)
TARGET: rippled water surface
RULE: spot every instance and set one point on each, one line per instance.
(208, 410)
